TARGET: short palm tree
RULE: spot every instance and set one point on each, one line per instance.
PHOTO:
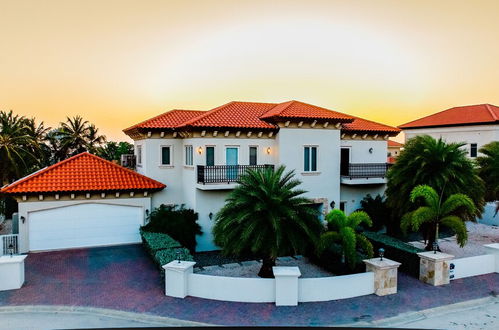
(342, 230)
(437, 212)
(488, 170)
(266, 215)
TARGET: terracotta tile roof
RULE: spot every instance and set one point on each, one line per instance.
(367, 126)
(300, 110)
(235, 114)
(392, 143)
(82, 173)
(457, 116)
(169, 119)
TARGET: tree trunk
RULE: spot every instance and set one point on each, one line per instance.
(266, 270)
(432, 235)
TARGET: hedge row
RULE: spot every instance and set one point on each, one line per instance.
(397, 250)
(163, 249)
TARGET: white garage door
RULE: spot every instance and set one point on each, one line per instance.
(84, 225)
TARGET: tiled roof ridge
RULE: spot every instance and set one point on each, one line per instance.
(492, 113)
(373, 122)
(272, 112)
(160, 115)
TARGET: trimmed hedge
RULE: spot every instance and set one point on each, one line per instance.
(397, 250)
(165, 256)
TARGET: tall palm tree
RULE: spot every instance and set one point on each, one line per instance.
(438, 212)
(77, 135)
(342, 230)
(94, 140)
(488, 170)
(266, 215)
(427, 161)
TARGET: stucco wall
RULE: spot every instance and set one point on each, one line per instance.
(352, 195)
(359, 150)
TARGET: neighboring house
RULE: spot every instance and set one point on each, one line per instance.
(82, 201)
(394, 149)
(475, 125)
(200, 154)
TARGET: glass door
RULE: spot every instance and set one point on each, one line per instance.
(231, 160)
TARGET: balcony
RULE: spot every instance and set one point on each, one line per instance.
(364, 173)
(223, 175)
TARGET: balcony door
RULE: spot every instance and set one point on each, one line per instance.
(344, 161)
(231, 160)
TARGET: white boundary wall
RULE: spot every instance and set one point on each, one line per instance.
(473, 266)
(337, 287)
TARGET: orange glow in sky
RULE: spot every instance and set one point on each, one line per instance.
(118, 62)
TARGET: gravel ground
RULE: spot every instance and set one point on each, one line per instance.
(250, 269)
(478, 235)
(212, 258)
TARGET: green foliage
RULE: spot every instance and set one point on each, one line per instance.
(437, 212)
(440, 165)
(154, 242)
(342, 231)
(488, 170)
(266, 215)
(163, 257)
(113, 150)
(178, 222)
(397, 250)
(378, 211)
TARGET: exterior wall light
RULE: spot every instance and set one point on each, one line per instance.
(332, 204)
(23, 219)
(200, 150)
(370, 150)
(268, 151)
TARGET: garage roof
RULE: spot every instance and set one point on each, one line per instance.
(83, 173)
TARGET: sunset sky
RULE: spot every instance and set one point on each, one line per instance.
(119, 62)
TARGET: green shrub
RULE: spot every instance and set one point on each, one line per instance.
(154, 242)
(163, 257)
(176, 221)
(397, 250)
(378, 211)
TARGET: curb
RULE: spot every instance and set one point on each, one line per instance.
(149, 319)
(410, 317)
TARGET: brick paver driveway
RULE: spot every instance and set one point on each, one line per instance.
(123, 278)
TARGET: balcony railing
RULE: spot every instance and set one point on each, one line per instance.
(365, 170)
(224, 173)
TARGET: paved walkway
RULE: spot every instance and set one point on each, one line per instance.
(123, 278)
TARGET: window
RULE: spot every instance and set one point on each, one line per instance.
(473, 150)
(166, 157)
(139, 155)
(252, 155)
(343, 206)
(310, 159)
(188, 155)
(210, 156)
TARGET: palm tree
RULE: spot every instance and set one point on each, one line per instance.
(427, 161)
(488, 170)
(266, 215)
(342, 230)
(77, 135)
(94, 140)
(437, 212)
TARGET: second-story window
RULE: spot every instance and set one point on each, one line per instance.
(252, 155)
(139, 155)
(166, 155)
(188, 155)
(210, 156)
(310, 159)
(473, 150)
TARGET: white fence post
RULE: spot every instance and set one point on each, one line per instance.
(176, 278)
(11, 272)
(286, 285)
(385, 275)
(493, 249)
(434, 267)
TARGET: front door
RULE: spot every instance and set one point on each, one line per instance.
(344, 161)
(231, 160)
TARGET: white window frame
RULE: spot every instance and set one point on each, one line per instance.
(139, 154)
(186, 156)
(161, 156)
(310, 158)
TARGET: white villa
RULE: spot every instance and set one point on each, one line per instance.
(475, 125)
(199, 155)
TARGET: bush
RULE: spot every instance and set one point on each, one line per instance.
(177, 222)
(155, 242)
(377, 209)
(398, 251)
(163, 257)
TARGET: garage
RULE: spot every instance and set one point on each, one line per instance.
(84, 225)
(83, 201)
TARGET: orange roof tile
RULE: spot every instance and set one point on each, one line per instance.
(363, 125)
(296, 109)
(82, 173)
(458, 116)
(169, 119)
(234, 114)
(392, 143)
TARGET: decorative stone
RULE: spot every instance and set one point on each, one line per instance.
(286, 285)
(176, 275)
(434, 267)
(385, 275)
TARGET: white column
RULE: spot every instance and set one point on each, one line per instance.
(385, 275)
(493, 249)
(286, 285)
(11, 272)
(176, 277)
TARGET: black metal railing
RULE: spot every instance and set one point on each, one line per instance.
(365, 170)
(224, 173)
